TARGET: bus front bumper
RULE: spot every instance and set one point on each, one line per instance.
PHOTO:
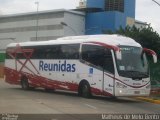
(132, 92)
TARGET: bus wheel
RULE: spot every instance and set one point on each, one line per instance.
(86, 92)
(25, 84)
(49, 90)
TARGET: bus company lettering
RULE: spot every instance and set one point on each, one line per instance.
(61, 67)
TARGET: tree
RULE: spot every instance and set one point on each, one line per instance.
(147, 37)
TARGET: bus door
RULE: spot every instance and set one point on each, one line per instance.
(92, 56)
(108, 73)
(101, 68)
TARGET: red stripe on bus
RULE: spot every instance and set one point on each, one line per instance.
(13, 77)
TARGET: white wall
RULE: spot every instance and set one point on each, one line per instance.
(29, 23)
(4, 43)
(21, 28)
(76, 22)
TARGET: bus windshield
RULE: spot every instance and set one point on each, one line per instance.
(133, 63)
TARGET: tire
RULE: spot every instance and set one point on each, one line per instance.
(49, 90)
(25, 84)
(86, 92)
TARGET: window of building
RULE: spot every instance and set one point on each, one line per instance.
(114, 5)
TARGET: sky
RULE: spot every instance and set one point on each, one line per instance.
(146, 10)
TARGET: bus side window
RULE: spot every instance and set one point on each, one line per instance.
(49, 54)
(108, 61)
(20, 56)
(98, 56)
(93, 54)
(70, 51)
(39, 52)
(52, 52)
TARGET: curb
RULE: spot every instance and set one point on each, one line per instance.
(148, 100)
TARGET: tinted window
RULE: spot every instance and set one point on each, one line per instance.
(53, 52)
(20, 56)
(63, 52)
(98, 56)
(70, 51)
(93, 54)
(114, 5)
(108, 61)
(8, 56)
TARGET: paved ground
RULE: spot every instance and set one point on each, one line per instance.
(15, 100)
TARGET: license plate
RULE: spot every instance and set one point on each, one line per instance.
(136, 92)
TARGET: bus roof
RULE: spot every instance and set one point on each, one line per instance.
(107, 39)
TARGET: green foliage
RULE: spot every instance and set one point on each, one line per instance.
(155, 72)
(2, 57)
(148, 38)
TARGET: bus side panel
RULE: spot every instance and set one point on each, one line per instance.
(94, 77)
(12, 76)
(45, 80)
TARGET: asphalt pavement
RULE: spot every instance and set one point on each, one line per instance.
(15, 100)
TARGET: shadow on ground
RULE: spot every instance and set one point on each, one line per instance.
(75, 95)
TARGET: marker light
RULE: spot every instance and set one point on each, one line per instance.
(120, 91)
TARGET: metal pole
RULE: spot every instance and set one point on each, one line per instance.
(65, 24)
(37, 21)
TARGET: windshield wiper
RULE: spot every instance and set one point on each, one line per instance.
(138, 74)
(134, 74)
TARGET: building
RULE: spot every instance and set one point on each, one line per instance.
(44, 25)
(90, 17)
(140, 24)
(110, 15)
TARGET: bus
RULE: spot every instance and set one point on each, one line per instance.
(101, 65)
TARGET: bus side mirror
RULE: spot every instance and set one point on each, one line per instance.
(151, 52)
(119, 55)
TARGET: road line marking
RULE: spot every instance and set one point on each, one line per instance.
(93, 107)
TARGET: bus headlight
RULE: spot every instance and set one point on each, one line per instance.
(120, 85)
(120, 91)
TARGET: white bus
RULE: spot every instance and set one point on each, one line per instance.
(105, 65)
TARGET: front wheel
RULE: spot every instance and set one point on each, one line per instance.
(86, 92)
(25, 84)
(49, 90)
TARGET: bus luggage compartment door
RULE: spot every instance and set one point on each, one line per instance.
(108, 85)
